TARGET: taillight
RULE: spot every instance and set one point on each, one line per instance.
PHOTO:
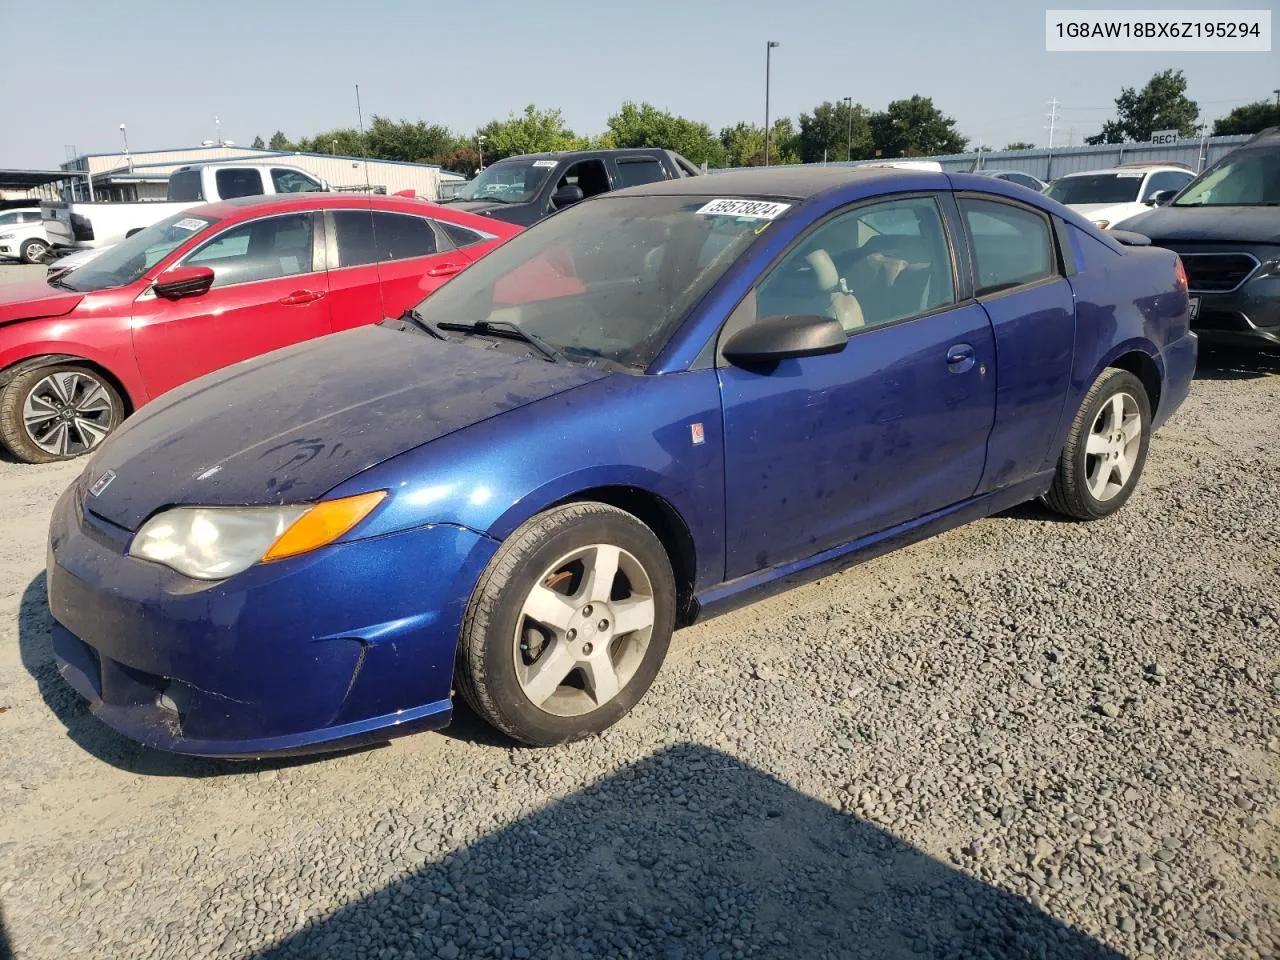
(1180, 275)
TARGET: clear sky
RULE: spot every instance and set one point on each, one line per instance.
(72, 72)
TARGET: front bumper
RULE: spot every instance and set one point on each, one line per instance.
(352, 644)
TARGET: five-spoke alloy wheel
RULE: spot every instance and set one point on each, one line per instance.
(1106, 448)
(568, 625)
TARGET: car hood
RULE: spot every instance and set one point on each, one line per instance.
(35, 298)
(1107, 211)
(289, 426)
(1209, 224)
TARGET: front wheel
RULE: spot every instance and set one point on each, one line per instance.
(1106, 449)
(568, 625)
(57, 413)
(34, 251)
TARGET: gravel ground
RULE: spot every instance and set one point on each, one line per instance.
(1026, 738)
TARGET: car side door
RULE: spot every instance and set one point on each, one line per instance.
(1020, 279)
(384, 263)
(824, 450)
(268, 292)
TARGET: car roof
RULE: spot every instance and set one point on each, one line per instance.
(793, 183)
(1143, 168)
(241, 208)
(573, 154)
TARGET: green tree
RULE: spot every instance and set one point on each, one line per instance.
(784, 142)
(1250, 118)
(258, 143)
(644, 125)
(418, 142)
(914, 128)
(743, 144)
(345, 141)
(1020, 145)
(279, 141)
(1161, 105)
(534, 131)
(825, 134)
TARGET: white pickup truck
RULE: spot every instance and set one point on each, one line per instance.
(88, 225)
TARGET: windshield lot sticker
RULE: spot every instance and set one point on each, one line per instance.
(748, 209)
(190, 223)
(544, 163)
(697, 433)
(1130, 176)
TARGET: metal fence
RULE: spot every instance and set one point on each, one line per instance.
(1048, 163)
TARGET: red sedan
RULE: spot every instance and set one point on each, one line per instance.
(208, 287)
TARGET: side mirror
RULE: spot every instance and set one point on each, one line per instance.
(567, 195)
(1161, 197)
(179, 282)
(782, 338)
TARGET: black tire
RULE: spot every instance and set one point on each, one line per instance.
(33, 251)
(1070, 494)
(486, 670)
(13, 431)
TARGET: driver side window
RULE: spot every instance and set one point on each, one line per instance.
(590, 175)
(875, 265)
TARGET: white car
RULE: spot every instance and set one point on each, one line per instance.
(75, 259)
(1108, 196)
(22, 235)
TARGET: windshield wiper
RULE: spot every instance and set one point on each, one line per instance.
(505, 328)
(422, 323)
(58, 280)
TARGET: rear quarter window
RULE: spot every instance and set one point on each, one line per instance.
(185, 186)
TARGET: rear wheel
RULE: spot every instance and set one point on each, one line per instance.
(568, 625)
(33, 251)
(57, 413)
(1106, 449)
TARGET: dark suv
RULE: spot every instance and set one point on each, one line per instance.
(524, 189)
(1225, 225)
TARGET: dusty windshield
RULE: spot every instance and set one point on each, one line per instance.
(131, 258)
(1097, 188)
(509, 181)
(609, 280)
(1248, 178)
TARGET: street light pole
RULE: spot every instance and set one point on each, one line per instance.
(480, 139)
(768, 56)
(849, 150)
(125, 136)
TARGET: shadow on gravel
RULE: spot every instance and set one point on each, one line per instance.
(1228, 363)
(36, 649)
(6, 951)
(689, 854)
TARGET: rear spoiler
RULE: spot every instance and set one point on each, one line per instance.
(1129, 238)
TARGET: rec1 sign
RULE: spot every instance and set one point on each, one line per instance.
(1164, 136)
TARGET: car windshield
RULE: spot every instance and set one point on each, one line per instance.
(509, 181)
(131, 258)
(1246, 178)
(1097, 188)
(610, 279)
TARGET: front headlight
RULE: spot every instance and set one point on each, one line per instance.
(1269, 268)
(6, 236)
(212, 543)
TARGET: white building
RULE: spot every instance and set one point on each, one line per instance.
(144, 175)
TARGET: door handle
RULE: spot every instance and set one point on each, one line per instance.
(299, 297)
(444, 269)
(960, 357)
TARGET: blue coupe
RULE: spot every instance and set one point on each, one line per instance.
(649, 407)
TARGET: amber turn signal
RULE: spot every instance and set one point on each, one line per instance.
(322, 524)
